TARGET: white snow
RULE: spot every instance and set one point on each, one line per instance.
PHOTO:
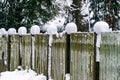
(71, 28)
(57, 23)
(101, 26)
(11, 31)
(98, 40)
(49, 63)
(35, 29)
(85, 7)
(3, 32)
(1, 1)
(22, 30)
(0, 33)
(62, 3)
(51, 29)
(21, 75)
(33, 49)
(67, 76)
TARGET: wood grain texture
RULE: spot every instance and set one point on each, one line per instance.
(82, 56)
(110, 56)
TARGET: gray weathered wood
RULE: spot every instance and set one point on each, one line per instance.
(58, 58)
(110, 56)
(3, 53)
(26, 51)
(14, 48)
(82, 56)
(41, 43)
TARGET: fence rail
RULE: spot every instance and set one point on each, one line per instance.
(74, 54)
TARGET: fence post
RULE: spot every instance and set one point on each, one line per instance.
(9, 52)
(96, 66)
(32, 52)
(20, 50)
(49, 57)
(3, 53)
(48, 62)
(67, 61)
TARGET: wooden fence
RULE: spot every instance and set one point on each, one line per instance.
(3, 54)
(82, 56)
(74, 54)
(110, 56)
(58, 58)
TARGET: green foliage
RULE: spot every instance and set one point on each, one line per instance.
(106, 10)
(16, 13)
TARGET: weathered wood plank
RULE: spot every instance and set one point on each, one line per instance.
(82, 56)
(3, 53)
(41, 44)
(26, 51)
(14, 54)
(109, 56)
(58, 58)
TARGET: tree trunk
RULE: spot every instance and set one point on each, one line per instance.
(78, 16)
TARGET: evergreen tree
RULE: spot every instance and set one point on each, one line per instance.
(78, 16)
(106, 10)
(16, 13)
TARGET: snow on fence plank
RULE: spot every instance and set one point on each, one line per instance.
(3, 53)
(14, 51)
(82, 56)
(110, 56)
(41, 44)
(58, 51)
(26, 51)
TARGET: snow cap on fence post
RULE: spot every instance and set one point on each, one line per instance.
(11, 31)
(71, 28)
(3, 32)
(101, 26)
(98, 28)
(22, 30)
(51, 30)
(35, 29)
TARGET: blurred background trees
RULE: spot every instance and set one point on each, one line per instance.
(107, 10)
(16, 13)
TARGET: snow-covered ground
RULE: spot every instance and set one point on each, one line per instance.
(21, 75)
(25, 75)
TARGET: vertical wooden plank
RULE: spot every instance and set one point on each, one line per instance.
(58, 58)
(109, 56)
(3, 53)
(14, 57)
(1, 61)
(41, 43)
(82, 56)
(26, 51)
